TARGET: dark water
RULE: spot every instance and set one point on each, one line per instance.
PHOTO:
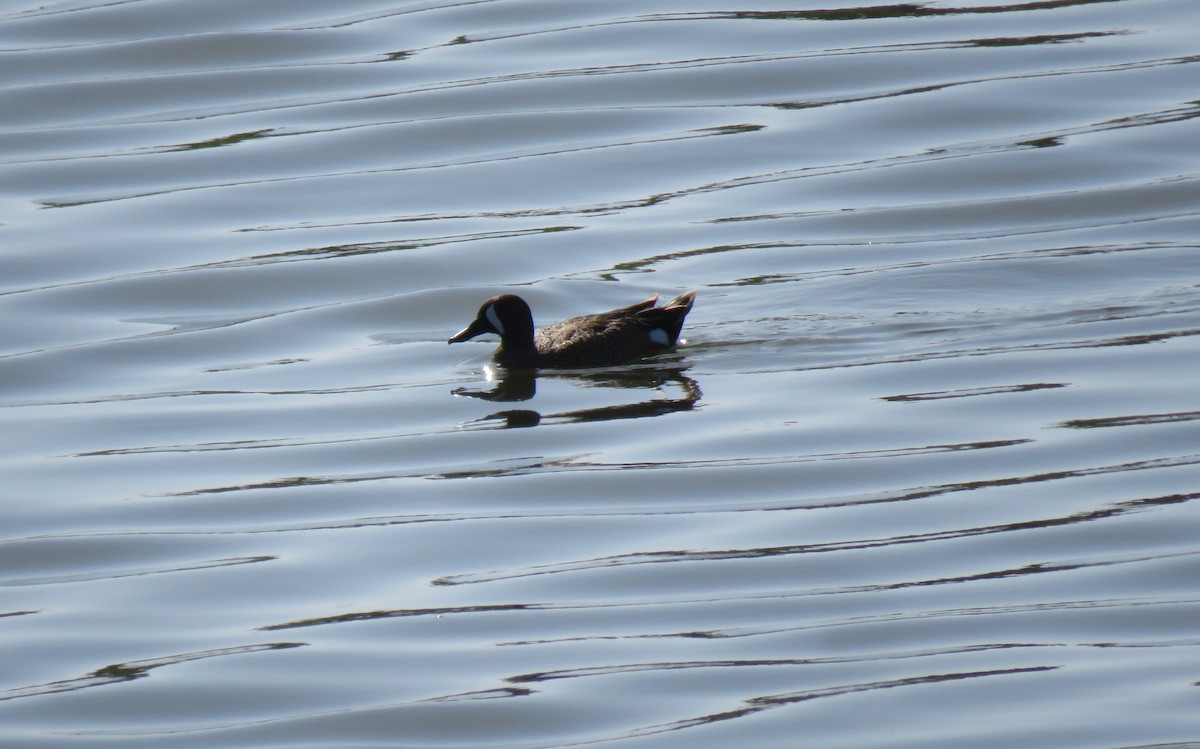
(924, 474)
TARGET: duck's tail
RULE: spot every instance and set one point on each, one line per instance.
(674, 312)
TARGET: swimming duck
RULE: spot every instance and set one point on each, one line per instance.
(597, 340)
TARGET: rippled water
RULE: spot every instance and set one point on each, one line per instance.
(924, 474)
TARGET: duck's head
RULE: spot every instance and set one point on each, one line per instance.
(507, 316)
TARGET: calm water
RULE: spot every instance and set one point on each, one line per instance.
(925, 474)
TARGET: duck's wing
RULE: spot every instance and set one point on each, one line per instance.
(623, 312)
(625, 324)
(571, 331)
(614, 336)
(647, 303)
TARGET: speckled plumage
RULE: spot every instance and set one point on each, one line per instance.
(589, 341)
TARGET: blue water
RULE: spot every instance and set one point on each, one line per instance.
(924, 472)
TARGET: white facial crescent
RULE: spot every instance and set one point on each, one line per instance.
(493, 318)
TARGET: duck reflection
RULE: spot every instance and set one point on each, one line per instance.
(521, 385)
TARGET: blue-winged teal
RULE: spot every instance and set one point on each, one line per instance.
(589, 341)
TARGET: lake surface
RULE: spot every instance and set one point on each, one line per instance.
(926, 472)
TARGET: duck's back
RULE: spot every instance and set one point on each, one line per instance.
(613, 337)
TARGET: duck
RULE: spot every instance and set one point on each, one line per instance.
(599, 340)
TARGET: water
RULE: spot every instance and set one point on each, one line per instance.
(924, 473)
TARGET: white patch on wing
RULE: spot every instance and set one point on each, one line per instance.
(659, 336)
(494, 319)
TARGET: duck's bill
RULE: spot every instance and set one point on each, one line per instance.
(479, 327)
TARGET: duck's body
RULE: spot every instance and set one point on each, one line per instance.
(598, 340)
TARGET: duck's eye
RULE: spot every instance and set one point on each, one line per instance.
(494, 319)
